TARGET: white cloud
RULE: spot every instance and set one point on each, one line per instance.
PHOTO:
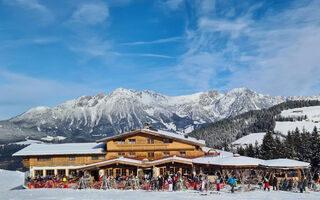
(277, 53)
(91, 14)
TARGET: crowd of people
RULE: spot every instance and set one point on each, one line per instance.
(170, 182)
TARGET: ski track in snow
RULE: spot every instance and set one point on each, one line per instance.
(10, 188)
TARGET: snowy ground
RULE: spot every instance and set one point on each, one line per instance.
(313, 119)
(10, 181)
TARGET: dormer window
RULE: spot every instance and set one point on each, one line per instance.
(132, 141)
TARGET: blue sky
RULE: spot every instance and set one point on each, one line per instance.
(53, 51)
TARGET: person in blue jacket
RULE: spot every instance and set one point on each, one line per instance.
(232, 183)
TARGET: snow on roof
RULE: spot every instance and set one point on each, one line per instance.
(240, 161)
(224, 153)
(228, 161)
(134, 161)
(163, 133)
(61, 149)
(252, 138)
(285, 163)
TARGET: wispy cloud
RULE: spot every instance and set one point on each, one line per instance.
(33, 5)
(91, 14)
(275, 53)
(159, 41)
(152, 55)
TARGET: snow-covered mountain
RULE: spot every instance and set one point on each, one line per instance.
(93, 117)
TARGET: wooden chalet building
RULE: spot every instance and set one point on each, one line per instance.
(139, 152)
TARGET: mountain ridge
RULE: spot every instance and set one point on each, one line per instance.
(93, 117)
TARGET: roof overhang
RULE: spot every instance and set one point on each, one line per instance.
(133, 162)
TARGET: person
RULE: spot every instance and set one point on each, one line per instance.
(195, 182)
(300, 185)
(170, 182)
(232, 183)
(218, 184)
(160, 182)
(306, 185)
(275, 183)
(203, 183)
(266, 184)
(290, 184)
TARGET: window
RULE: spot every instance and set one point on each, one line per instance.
(124, 172)
(150, 141)
(121, 142)
(166, 140)
(121, 155)
(101, 157)
(132, 141)
(50, 172)
(43, 159)
(151, 154)
(132, 154)
(61, 172)
(94, 157)
(117, 172)
(38, 172)
(110, 172)
(72, 158)
(166, 154)
(182, 153)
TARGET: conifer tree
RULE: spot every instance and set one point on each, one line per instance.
(315, 148)
(268, 147)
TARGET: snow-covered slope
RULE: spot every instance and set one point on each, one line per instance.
(302, 118)
(251, 138)
(124, 110)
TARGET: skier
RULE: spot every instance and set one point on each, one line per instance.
(231, 183)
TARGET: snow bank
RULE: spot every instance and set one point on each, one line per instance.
(10, 180)
(52, 194)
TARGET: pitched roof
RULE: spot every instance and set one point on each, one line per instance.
(61, 149)
(160, 133)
